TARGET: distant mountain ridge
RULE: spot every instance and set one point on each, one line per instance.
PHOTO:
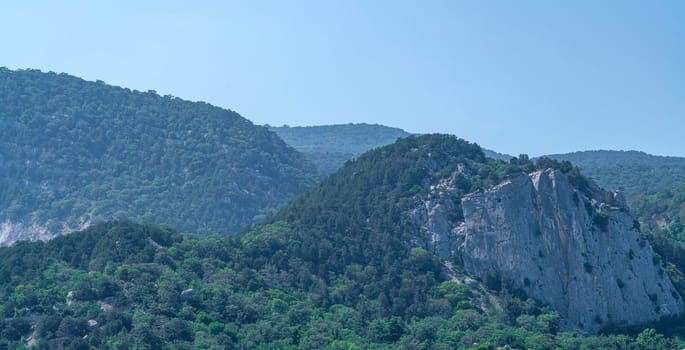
(652, 185)
(605, 157)
(635, 171)
(74, 152)
(330, 146)
(497, 155)
(340, 138)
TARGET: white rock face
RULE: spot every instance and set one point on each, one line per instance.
(570, 250)
(437, 217)
(11, 232)
(31, 230)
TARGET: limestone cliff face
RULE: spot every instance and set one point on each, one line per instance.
(566, 248)
(438, 216)
(31, 230)
(11, 232)
(578, 251)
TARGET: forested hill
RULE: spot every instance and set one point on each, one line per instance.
(377, 186)
(497, 155)
(343, 138)
(336, 269)
(330, 146)
(74, 152)
(636, 172)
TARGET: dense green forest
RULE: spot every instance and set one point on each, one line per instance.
(496, 155)
(121, 285)
(74, 152)
(330, 146)
(662, 216)
(637, 173)
(664, 210)
(332, 270)
(343, 138)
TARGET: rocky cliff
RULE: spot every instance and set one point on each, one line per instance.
(575, 249)
(32, 230)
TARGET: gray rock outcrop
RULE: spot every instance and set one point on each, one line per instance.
(11, 232)
(577, 250)
(438, 215)
(31, 230)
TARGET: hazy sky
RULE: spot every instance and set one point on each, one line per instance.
(515, 76)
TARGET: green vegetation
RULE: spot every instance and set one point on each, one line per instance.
(371, 192)
(330, 146)
(662, 216)
(344, 138)
(663, 212)
(637, 173)
(334, 269)
(73, 152)
(497, 155)
(126, 286)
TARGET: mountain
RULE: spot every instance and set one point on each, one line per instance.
(497, 155)
(74, 152)
(330, 146)
(366, 259)
(363, 260)
(633, 171)
(343, 138)
(515, 232)
(654, 186)
(574, 248)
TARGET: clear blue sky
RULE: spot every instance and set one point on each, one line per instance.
(516, 76)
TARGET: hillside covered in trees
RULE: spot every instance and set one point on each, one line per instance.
(74, 152)
(330, 146)
(633, 171)
(335, 269)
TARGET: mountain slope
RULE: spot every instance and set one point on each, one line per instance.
(74, 152)
(636, 172)
(363, 260)
(421, 190)
(497, 155)
(654, 187)
(664, 210)
(120, 285)
(330, 146)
